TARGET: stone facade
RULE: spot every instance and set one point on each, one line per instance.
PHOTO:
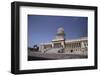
(61, 45)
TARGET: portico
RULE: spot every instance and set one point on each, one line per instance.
(74, 46)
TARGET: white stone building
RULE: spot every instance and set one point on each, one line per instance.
(61, 45)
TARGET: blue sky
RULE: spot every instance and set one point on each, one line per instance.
(43, 28)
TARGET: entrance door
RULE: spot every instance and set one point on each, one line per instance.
(57, 45)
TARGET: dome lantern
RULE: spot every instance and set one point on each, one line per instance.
(60, 31)
(60, 34)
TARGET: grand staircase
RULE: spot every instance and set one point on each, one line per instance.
(54, 54)
(53, 50)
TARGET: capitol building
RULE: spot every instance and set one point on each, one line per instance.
(61, 45)
(60, 48)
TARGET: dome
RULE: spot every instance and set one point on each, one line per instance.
(60, 30)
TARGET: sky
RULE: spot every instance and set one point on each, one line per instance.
(43, 28)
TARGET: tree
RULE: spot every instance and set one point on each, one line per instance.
(36, 48)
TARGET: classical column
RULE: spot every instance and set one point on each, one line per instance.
(52, 45)
(82, 45)
(63, 44)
